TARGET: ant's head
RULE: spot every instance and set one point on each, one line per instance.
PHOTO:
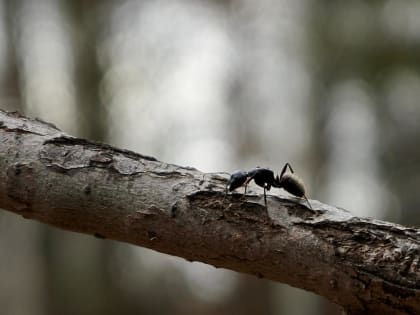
(237, 179)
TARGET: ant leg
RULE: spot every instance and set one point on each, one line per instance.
(285, 168)
(265, 198)
(308, 202)
(290, 167)
(247, 181)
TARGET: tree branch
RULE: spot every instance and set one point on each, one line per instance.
(367, 266)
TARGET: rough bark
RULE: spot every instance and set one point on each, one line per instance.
(367, 266)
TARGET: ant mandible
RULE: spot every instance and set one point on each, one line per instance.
(264, 178)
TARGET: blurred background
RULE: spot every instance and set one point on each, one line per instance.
(333, 87)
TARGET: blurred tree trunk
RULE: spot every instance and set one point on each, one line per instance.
(367, 266)
(10, 93)
(86, 19)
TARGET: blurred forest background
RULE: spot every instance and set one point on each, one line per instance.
(333, 87)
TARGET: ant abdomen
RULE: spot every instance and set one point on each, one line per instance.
(293, 184)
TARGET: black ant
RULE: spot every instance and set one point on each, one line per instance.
(264, 177)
